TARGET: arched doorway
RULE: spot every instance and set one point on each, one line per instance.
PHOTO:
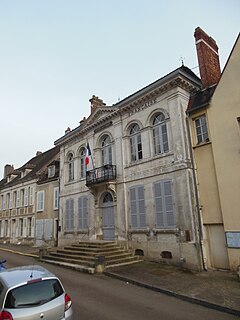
(108, 225)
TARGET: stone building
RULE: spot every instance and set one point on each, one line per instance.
(29, 201)
(138, 186)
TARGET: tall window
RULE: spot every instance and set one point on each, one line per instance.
(137, 207)
(69, 214)
(163, 198)
(82, 213)
(201, 129)
(55, 198)
(160, 136)
(106, 150)
(82, 163)
(40, 201)
(135, 143)
(70, 167)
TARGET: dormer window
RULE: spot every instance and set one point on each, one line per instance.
(51, 171)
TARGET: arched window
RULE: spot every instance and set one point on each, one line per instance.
(107, 198)
(106, 150)
(135, 143)
(70, 167)
(160, 136)
(82, 163)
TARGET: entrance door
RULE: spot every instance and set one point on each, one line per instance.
(108, 218)
(218, 247)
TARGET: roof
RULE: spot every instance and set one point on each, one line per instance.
(184, 72)
(200, 99)
(37, 166)
(20, 275)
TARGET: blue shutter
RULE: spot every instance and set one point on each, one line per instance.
(170, 219)
(158, 205)
(164, 210)
(137, 207)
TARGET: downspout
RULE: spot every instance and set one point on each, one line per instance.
(200, 233)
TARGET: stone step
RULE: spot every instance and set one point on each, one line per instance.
(92, 254)
(79, 256)
(71, 251)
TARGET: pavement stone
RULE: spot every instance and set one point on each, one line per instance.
(219, 290)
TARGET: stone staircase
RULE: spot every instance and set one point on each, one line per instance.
(91, 256)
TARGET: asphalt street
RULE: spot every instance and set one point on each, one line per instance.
(100, 297)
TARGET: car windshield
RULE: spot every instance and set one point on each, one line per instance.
(33, 294)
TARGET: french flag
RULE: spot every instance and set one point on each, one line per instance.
(88, 154)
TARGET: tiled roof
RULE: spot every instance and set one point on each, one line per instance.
(200, 99)
(37, 165)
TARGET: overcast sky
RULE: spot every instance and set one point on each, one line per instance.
(55, 54)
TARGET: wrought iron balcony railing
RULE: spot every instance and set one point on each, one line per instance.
(99, 175)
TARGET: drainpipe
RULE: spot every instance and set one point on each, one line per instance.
(196, 195)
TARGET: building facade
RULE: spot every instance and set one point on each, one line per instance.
(138, 186)
(213, 116)
(29, 201)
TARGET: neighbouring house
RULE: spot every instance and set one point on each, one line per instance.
(137, 186)
(214, 122)
(29, 201)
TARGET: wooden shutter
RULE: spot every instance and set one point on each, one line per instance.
(24, 228)
(82, 213)
(163, 198)
(137, 207)
(48, 229)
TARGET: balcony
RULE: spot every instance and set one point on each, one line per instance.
(100, 175)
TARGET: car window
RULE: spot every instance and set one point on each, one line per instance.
(33, 294)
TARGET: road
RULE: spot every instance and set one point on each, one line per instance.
(99, 297)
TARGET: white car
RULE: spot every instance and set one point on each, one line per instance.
(33, 293)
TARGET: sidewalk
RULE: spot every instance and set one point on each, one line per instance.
(219, 290)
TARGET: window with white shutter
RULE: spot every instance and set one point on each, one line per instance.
(25, 197)
(82, 213)
(55, 198)
(18, 199)
(163, 198)
(69, 214)
(137, 207)
(31, 196)
(40, 201)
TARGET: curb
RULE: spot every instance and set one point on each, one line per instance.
(20, 253)
(174, 294)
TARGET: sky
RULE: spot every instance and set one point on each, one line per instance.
(56, 54)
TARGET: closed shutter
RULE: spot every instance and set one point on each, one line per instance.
(133, 208)
(158, 205)
(16, 232)
(10, 200)
(69, 214)
(31, 196)
(82, 213)
(26, 197)
(33, 227)
(48, 229)
(137, 207)
(164, 210)
(24, 228)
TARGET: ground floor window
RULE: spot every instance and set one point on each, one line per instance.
(137, 207)
(69, 223)
(163, 198)
(82, 213)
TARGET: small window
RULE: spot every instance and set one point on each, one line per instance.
(201, 129)
(51, 171)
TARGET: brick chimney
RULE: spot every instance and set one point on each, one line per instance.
(96, 103)
(208, 58)
(8, 169)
